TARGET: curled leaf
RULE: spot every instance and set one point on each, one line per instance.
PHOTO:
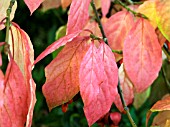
(161, 105)
(23, 54)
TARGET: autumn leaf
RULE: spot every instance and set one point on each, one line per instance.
(62, 41)
(127, 89)
(33, 4)
(148, 8)
(65, 3)
(49, 4)
(4, 4)
(105, 6)
(14, 108)
(163, 20)
(23, 54)
(97, 88)
(142, 55)
(78, 16)
(117, 28)
(161, 105)
(62, 81)
(162, 119)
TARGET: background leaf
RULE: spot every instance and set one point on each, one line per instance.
(78, 16)
(142, 48)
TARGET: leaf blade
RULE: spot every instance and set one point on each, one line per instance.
(142, 55)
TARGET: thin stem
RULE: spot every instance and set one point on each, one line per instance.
(128, 9)
(99, 22)
(167, 53)
(8, 12)
(125, 106)
(119, 87)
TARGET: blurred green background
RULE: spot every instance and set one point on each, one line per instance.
(41, 27)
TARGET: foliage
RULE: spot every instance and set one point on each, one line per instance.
(106, 62)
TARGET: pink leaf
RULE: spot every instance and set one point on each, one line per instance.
(142, 55)
(127, 89)
(105, 6)
(62, 41)
(33, 4)
(14, 109)
(117, 28)
(96, 85)
(78, 16)
(62, 81)
(23, 54)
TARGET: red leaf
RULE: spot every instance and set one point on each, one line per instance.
(62, 81)
(105, 6)
(162, 105)
(62, 41)
(33, 4)
(96, 85)
(127, 89)
(117, 28)
(23, 55)
(142, 55)
(78, 16)
(14, 109)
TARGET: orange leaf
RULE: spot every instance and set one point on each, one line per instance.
(142, 55)
(162, 105)
(65, 3)
(78, 16)
(62, 82)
